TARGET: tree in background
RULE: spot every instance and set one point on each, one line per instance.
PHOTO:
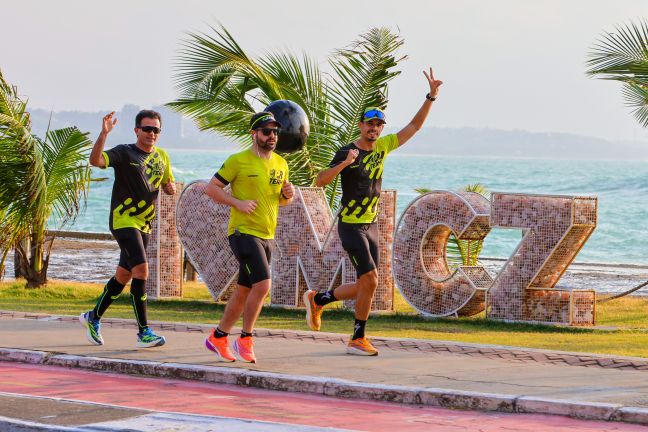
(622, 55)
(220, 86)
(38, 178)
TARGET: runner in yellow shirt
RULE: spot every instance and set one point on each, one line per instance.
(258, 178)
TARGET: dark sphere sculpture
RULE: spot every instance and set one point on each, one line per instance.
(295, 126)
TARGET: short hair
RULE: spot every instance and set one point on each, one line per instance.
(147, 114)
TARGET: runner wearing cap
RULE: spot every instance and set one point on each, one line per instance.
(360, 165)
(258, 178)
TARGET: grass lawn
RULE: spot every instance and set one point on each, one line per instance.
(628, 316)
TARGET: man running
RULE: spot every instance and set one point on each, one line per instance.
(360, 165)
(140, 170)
(258, 178)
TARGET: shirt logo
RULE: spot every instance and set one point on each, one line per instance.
(276, 177)
(135, 164)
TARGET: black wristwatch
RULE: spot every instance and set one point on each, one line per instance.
(430, 98)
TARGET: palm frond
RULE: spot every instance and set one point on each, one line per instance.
(636, 97)
(362, 72)
(65, 155)
(622, 54)
(219, 86)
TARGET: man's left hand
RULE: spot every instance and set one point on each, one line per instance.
(434, 84)
(288, 190)
(169, 188)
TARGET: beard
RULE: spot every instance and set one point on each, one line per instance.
(267, 146)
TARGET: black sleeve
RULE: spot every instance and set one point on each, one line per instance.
(115, 155)
(339, 157)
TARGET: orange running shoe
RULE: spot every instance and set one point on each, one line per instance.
(220, 346)
(361, 346)
(244, 349)
(313, 311)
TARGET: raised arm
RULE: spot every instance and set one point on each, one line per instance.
(417, 122)
(325, 177)
(96, 155)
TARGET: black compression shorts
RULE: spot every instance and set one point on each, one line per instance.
(360, 241)
(253, 254)
(132, 243)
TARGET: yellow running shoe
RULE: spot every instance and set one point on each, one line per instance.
(220, 346)
(244, 349)
(361, 346)
(313, 311)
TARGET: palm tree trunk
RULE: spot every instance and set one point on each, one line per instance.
(36, 277)
(19, 264)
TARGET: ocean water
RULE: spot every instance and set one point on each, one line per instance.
(620, 186)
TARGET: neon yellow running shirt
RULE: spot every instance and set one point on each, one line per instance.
(362, 180)
(138, 176)
(257, 179)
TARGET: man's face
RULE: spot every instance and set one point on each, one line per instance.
(371, 129)
(266, 137)
(146, 132)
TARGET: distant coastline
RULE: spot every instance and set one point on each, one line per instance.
(181, 133)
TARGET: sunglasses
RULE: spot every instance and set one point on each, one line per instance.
(147, 129)
(269, 131)
(374, 114)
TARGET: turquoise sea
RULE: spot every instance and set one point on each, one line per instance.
(621, 187)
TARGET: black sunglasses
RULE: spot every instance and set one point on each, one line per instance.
(268, 131)
(147, 129)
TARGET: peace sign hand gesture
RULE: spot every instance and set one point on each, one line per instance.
(434, 84)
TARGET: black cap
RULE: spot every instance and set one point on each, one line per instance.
(262, 119)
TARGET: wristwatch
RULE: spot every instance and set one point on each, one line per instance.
(430, 98)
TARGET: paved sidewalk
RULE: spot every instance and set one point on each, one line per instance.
(426, 372)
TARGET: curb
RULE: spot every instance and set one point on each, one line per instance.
(504, 352)
(446, 398)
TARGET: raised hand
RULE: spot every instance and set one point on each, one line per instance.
(247, 206)
(109, 122)
(434, 83)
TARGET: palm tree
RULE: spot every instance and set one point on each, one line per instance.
(38, 178)
(622, 56)
(220, 86)
(463, 252)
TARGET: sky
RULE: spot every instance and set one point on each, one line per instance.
(505, 64)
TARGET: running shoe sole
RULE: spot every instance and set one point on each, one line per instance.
(238, 356)
(156, 343)
(84, 322)
(356, 351)
(210, 346)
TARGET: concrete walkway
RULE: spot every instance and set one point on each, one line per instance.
(492, 378)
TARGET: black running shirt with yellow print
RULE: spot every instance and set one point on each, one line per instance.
(257, 179)
(138, 176)
(362, 180)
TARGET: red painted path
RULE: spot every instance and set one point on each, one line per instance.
(165, 395)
